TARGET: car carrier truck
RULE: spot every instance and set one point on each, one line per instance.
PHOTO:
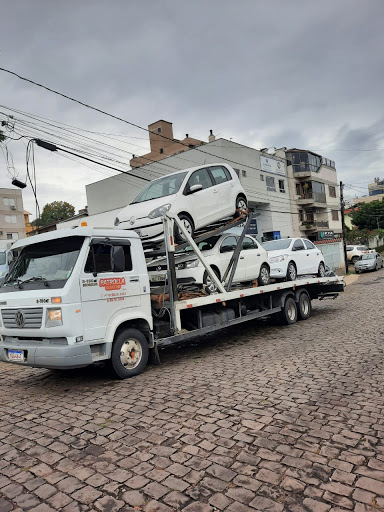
(80, 296)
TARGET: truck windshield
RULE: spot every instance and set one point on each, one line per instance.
(161, 188)
(3, 258)
(49, 262)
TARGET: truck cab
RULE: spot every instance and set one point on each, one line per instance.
(70, 294)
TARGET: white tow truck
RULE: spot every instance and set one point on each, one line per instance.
(80, 296)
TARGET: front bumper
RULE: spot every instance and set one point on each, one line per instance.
(360, 268)
(147, 229)
(278, 271)
(48, 356)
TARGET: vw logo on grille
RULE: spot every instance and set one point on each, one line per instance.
(159, 268)
(20, 319)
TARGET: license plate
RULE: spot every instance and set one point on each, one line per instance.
(158, 277)
(138, 231)
(16, 355)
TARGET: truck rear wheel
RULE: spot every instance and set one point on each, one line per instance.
(129, 354)
(304, 306)
(288, 314)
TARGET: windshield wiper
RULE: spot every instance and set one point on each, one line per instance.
(35, 278)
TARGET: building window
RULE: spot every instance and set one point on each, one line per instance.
(244, 174)
(262, 177)
(282, 186)
(270, 184)
(237, 171)
(9, 201)
(159, 129)
(318, 192)
(161, 150)
(332, 191)
(335, 214)
(11, 219)
(301, 215)
(298, 189)
(12, 236)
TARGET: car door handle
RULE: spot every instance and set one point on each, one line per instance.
(241, 257)
(215, 191)
(257, 254)
(134, 279)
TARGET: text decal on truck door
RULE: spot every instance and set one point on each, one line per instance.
(113, 283)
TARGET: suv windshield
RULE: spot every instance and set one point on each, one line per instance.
(46, 261)
(161, 188)
(276, 245)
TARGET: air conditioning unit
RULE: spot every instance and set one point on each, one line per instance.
(13, 207)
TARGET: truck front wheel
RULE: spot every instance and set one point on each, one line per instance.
(129, 354)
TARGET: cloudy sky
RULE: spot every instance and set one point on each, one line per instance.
(295, 73)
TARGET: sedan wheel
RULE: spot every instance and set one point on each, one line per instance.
(241, 206)
(263, 279)
(321, 271)
(291, 272)
(209, 284)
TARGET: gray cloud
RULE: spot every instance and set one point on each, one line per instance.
(295, 73)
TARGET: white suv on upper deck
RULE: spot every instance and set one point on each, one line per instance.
(199, 196)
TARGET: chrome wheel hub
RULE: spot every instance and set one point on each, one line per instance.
(130, 354)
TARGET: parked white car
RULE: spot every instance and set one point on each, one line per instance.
(354, 252)
(252, 264)
(199, 196)
(291, 257)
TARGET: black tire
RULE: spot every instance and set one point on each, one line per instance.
(354, 259)
(129, 343)
(263, 279)
(291, 272)
(304, 307)
(357, 271)
(288, 314)
(241, 204)
(187, 221)
(209, 285)
(321, 270)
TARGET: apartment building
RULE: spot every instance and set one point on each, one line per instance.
(314, 192)
(12, 225)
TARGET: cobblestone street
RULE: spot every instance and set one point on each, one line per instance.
(257, 417)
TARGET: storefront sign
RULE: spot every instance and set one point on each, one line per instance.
(273, 166)
(325, 235)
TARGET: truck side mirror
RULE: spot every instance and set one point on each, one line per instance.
(118, 259)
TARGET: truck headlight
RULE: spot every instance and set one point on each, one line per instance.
(278, 259)
(54, 317)
(159, 212)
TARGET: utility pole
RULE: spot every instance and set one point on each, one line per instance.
(343, 226)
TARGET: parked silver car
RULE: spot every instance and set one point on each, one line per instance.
(369, 261)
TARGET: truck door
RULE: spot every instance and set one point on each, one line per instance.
(106, 292)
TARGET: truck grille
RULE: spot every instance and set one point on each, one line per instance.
(30, 318)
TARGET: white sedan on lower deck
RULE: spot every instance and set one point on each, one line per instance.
(291, 257)
(217, 250)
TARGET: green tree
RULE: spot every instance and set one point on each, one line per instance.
(55, 212)
(369, 215)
